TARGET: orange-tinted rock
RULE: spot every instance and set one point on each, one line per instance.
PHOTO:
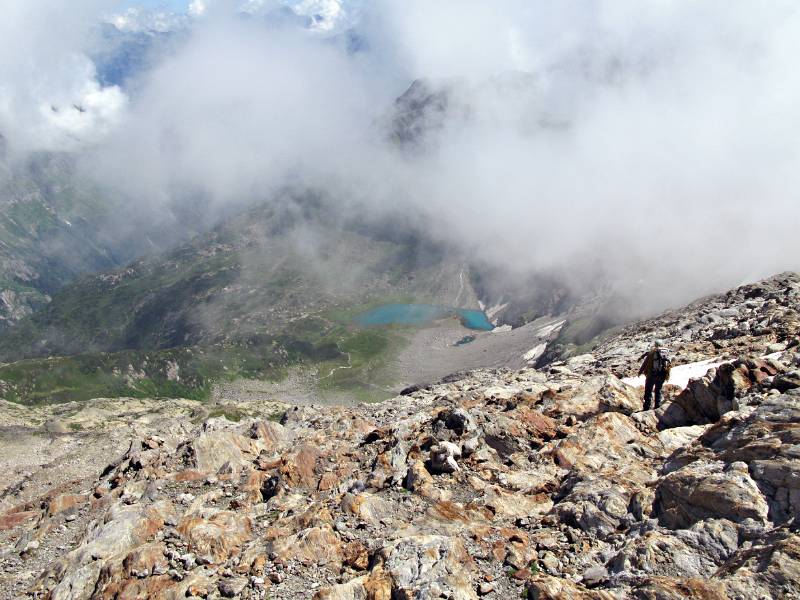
(64, 502)
(197, 591)
(547, 587)
(665, 588)
(162, 587)
(190, 475)
(299, 468)
(217, 534)
(310, 546)
(252, 486)
(537, 424)
(450, 511)
(315, 515)
(499, 550)
(356, 555)
(328, 481)
(11, 520)
(145, 559)
(378, 585)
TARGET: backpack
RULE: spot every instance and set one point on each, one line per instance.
(661, 362)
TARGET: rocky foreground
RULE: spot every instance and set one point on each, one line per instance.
(538, 484)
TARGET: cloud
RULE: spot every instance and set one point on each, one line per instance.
(242, 109)
(138, 20)
(650, 144)
(654, 142)
(49, 95)
(198, 7)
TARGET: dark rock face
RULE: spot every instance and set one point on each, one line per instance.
(419, 113)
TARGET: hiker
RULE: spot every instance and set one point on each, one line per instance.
(655, 368)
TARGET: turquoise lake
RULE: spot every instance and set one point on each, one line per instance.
(421, 314)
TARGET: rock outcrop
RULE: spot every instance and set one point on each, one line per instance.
(497, 484)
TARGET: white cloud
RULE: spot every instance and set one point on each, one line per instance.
(49, 95)
(198, 7)
(137, 20)
(323, 16)
(93, 112)
(655, 142)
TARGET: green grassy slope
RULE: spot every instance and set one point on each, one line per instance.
(56, 225)
(272, 288)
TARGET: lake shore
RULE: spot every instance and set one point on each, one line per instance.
(432, 352)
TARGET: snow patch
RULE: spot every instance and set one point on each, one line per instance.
(492, 311)
(543, 332)
(681, 374)
(546, 330)
(502, 329)
(534, 352)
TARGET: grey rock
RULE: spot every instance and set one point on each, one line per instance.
(230, 588)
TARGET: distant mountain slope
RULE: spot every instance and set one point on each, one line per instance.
(258, 273)
(56, 225)
(49, 234)
(274, 287)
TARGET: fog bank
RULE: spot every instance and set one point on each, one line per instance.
(653, 145)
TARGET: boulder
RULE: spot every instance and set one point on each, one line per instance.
(598, 394)
(122, 528)
(272, 435)
(459, 421)
(217, 534)
(443, 458)
(703, 490)
(547, 587)
(417, 476)
(696, 552)
(705, 399)
(315, 545)
(787, 381)
(667, 588)
(213, 449)
(429, 566)
(367, 507)
(769, 569)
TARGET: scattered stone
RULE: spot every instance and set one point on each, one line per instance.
(443, 458)
(551, 483)
(230, 588)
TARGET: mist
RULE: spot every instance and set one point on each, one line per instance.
(653, 146)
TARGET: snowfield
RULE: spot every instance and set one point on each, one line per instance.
(681, 374)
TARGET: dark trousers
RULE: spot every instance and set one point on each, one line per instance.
(652, 384)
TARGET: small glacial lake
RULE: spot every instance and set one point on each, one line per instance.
(421, 314)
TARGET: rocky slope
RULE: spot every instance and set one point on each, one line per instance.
(547, 483)
(57, 225)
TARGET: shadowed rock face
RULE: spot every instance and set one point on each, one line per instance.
(496, 484)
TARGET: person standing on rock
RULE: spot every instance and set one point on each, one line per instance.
(655, 368)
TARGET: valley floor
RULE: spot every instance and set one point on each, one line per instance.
(432, 352)
(429, 354)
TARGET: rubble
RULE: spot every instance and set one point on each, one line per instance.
(498, 484)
